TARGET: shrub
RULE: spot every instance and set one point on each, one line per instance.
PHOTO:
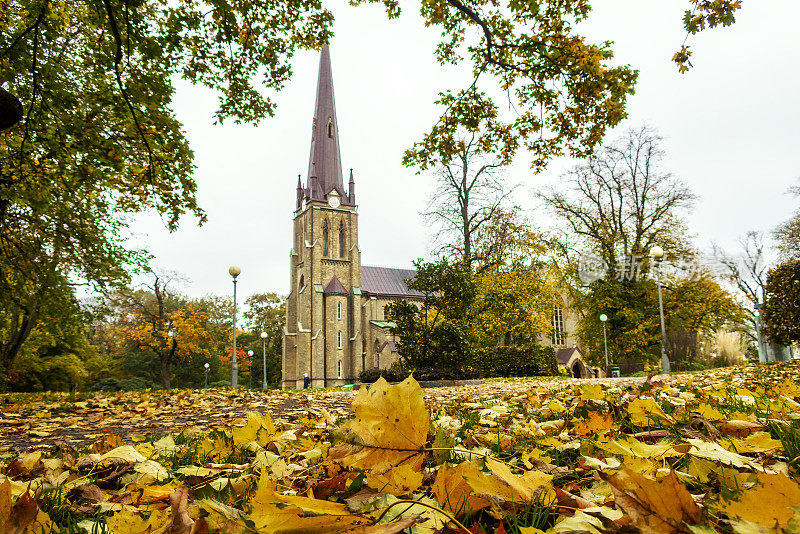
(125, 384)
(368, 376)
(220, 384)
(515, 360)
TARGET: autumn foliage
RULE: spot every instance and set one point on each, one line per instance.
(702, 453)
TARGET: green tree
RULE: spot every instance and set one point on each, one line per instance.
(57, 354)
(99, 140)
(437, 333)
(782, 307)
(266, 312)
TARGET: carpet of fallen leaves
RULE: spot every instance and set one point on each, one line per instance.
(717, 451)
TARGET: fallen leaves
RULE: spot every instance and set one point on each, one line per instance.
(703, 453)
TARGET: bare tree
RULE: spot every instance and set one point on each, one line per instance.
(469, 192)
(620, 202)
(747, 271)
(787, 234)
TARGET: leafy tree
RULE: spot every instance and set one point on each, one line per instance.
(160, 323)
(436, 334)
(782, 308)
(515, 284)
(99, 140)
(691, 305)
(57, 354)
(266, 312)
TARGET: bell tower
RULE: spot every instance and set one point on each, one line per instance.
(322, 337)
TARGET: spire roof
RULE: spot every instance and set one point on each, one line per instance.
(325, 160)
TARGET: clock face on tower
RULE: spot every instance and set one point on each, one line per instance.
(333, 201)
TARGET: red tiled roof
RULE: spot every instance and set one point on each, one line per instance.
(335, 287)
(388, 281)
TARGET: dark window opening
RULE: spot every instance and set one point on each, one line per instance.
(325, 238)
(330, 128)
(341, 240)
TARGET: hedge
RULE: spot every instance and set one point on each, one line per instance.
(488, 362)
(513, 360)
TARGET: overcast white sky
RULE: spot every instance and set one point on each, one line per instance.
(731, 128)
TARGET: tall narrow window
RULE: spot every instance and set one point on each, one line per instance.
(330, 127)
(559, 335)
(302, 284)
(341, 239)
(339, 310)
(340, 369)
(339, 340)
(325, 237)
(300, 242)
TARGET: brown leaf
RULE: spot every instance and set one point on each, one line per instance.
(181, 522)
(657, 506)
(86, 493)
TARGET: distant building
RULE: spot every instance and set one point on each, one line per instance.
(335, 313)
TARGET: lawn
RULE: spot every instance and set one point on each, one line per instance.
(716, 451)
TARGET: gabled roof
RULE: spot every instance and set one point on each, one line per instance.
(564, 355)
(335, 287)
(388, 282)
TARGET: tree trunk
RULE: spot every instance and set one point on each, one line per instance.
(164, 370)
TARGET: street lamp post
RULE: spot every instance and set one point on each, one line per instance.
(205, 381)
(264, 357)
(234, 271)
(657, 253)
(603, 319)
(250, 355)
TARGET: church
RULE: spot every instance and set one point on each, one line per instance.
(335, 320)
(336, 323)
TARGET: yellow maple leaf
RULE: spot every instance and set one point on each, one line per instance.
(259, 428)
(392, 424)
(592, 392)
(658, 506)
(391, 416)
(265, 493)
(768, 503)
(646, 412)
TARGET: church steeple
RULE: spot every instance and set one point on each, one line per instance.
(325, 166)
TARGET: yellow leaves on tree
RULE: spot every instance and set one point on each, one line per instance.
(391, 425)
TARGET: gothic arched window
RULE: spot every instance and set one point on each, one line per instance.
(330, 127)
(559, 334)
(302, 284)
(325, 237)
(341, 239)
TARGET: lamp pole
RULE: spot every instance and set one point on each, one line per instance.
(264, 356)
(234, 271)
(250, 355)
(603, 319)
(657, 253)
(205, 381)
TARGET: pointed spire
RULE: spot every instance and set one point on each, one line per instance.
(325, 161)
(351, 189)
(299, 192)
